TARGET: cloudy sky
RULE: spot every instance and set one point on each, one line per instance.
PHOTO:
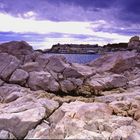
(45, 22)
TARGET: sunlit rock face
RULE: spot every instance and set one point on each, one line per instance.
(49, 98)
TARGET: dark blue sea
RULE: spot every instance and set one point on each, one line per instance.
(78, 58)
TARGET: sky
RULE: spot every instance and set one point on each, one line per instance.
(43, 23)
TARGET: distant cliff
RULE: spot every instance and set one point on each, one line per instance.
(86, 48)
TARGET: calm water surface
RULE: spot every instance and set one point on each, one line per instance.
(78, 58)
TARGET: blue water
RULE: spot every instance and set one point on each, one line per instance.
(78, 58)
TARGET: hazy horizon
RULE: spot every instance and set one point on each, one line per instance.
(43, 23)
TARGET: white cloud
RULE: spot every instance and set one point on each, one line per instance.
(20, 25)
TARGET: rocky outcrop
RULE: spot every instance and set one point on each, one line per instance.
(45, 97)
(78, 120)
(23, 109)
(117, 62)
(134, 43)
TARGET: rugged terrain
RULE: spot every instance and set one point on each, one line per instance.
(49, 98)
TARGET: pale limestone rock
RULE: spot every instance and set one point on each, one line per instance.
(56, 64)
(134, 136)
(19, 76)
(25, 113)
(107, 81)
(6, 135)
(116, 62)
(42, 80)
(8, 64)
(130, 94)
(67, 86)
(31, 66)
(85, 121)
(78, 71)
(122, 133)
(24, 121)
(40, 132)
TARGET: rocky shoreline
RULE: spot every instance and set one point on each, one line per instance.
(49, 98)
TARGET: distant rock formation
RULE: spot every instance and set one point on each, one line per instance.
(134, 43)
(45, 97)
(86, 48)
(74, 48)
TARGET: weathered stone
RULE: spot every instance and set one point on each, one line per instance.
(81, 110)
(105, 82)
(25, 113)
(85, 90)
(116, 62)
(56, 63)
(1, 82)
(134, 136)
(24, 121)
(137, 115)
(76, 81)
(12, 97)
(53, 63)
(122, 133)
(69, 122)
(84, 120)
(134, 43)
(40, 132)
(42, 80)
(8, 91)
(8, 64)
(132, 94)
(121, 107)
(135, 82)
(16, 48)
(31, 57)
(19, 77)
(67, 86)
(31, 66)
(77, 71)
(6, 135)
(134, 38)
(42, 60)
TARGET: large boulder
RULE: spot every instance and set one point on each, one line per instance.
(115, 62)
(106, 82)
(78, 71)
(53, 63)
(8, 64)
(42, 80)
(56, 63)
(16, 48)
(19, 76)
